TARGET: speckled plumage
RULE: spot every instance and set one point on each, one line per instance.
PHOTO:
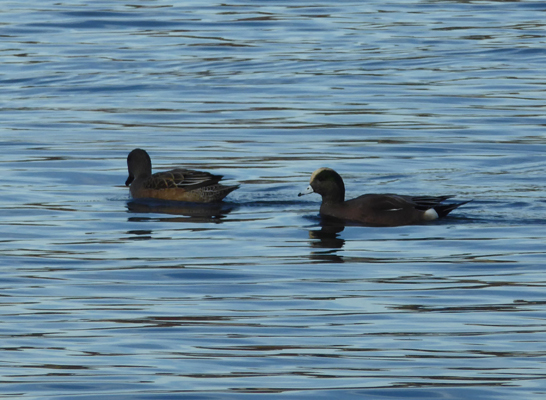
(176, 185)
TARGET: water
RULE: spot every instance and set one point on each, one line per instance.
(104, 297)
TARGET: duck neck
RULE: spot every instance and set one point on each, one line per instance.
(334, 198)
(144, 175)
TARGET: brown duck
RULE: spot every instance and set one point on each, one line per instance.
(176, 184)
(375, 209)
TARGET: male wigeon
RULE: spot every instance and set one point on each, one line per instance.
(375, 209)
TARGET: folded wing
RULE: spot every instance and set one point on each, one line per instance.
(186, 179)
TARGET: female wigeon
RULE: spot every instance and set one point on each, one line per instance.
(175, 185)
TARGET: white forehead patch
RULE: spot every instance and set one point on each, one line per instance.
(318, 171)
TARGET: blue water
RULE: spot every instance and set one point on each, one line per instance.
(102, 297)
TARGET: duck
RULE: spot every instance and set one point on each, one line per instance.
(174, 185)
(375, 209)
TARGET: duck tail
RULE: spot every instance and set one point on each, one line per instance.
(223, 191)
(444, 209)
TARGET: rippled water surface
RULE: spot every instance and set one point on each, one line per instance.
(103, 297)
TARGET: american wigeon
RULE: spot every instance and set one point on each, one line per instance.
(175, 185)
(375, 209)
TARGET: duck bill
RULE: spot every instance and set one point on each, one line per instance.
(130, 179)
(309, 190)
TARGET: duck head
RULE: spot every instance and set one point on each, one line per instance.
(328, 183)
(138, 163)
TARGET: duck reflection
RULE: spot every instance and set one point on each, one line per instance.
(327, 237)
(187, 212)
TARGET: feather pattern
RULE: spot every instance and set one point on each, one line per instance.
(181, 178)
(177, 184)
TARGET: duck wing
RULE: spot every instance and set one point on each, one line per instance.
(392, 202)
(377, 203)
(186, 179)
(424, 203)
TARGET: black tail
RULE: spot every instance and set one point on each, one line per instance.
(444, 209)
(426, 202)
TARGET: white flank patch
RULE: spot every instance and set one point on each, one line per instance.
(430, 214)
